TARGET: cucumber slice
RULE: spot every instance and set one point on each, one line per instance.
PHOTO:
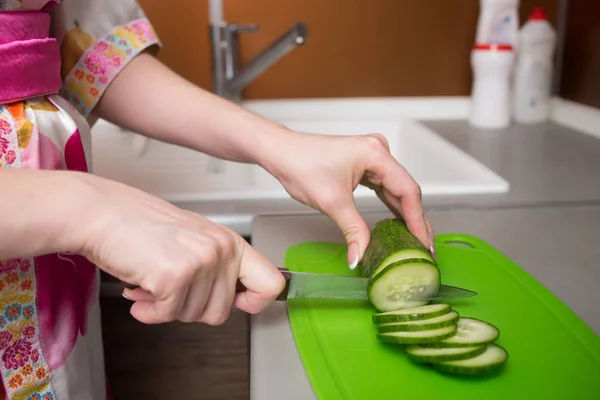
(418, 337)
(470, 332)
(412, 314)
(402, 255)
(491, 360)
(412, 326)
(422, 354)
(400, 284)
(391, 241)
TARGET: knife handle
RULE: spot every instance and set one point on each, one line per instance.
(239, 287)
(284, 293)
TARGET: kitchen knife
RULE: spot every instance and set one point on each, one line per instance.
(308, 285)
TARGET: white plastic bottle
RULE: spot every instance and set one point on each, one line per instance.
(534, 70)
(498, 22)
(492, 66)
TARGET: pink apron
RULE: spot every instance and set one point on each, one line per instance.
(50, 334)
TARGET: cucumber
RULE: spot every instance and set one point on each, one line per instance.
(412, 314)
(399, 267)
(491, 360)
(429, 355)
(418, 337)
(400, 284)
(391, 241)
(411, 326)
(470, 332)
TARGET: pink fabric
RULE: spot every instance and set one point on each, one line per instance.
(30, 157)
(31, 64)
(66, 284)
(75, 154)
(35, 4)
(50, 156)
(23, 25)
(60, 288)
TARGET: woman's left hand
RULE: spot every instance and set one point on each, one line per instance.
(323, 171)
(317, 170)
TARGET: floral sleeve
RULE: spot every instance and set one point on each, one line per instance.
(98, 38)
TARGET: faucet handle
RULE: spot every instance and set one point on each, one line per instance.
(242, 28)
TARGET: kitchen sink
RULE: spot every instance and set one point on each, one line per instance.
(436, 164)
(185, 177)
(181, 175)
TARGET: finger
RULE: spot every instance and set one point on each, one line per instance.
(411, 209)
(138, 294)
(219, 303)
(145, 312)
(403, 196)
(416, 225)
(431, 233)
(197, 297)
(383, 196)
(160, 310)
(211, 301)
(382, 139)
(262, 280)
(354, 228)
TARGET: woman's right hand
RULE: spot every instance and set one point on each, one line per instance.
(185, 265)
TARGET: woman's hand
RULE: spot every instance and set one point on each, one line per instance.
(319, 171)
(323, 171)
(186, 266)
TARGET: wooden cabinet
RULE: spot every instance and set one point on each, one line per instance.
(354, 47)
(581, 60)
(183, 29)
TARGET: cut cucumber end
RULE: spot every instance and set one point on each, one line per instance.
(428, 355)
(470, 332)
(412, 314)
(492, 360)
(401, 255)
(391, 241)
(401, 284)
(433, 323)
(418, 337)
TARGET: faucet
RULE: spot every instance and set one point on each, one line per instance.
(229, 78)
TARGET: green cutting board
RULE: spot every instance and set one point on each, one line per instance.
(553, 354)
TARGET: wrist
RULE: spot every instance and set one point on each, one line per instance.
(271, 149)
(79, 212)
(45, 212)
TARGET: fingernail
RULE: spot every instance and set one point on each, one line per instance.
(353, 256)
(431, 243)
(124, 295)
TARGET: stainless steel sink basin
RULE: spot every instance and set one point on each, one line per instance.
(183, 176)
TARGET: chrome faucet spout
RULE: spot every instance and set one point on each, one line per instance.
(229, 78)
(294, 37)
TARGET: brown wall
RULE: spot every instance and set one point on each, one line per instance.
(182, 26)
(354, 48)
(581, 62)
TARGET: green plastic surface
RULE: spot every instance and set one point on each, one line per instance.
(553, 354)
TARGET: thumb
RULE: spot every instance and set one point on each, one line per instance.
(262, 280)
(138, 294)
(353, 227)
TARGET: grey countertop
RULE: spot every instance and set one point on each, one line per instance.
(548, 224)
(544, 163)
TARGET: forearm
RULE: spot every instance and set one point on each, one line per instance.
(42, 212)
(150, 99)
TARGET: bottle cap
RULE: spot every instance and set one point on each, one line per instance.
(538, 14)
(493, 46)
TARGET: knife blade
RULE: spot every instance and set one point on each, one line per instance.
(307, 285)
